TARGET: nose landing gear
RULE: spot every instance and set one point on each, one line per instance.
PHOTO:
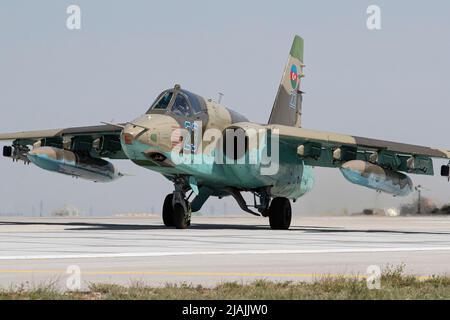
(177, 209)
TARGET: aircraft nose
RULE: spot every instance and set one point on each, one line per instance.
(132, 133)
(129, 135)
(149, 131)
(127, 138)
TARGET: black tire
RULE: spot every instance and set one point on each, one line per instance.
(168, 213)
(280, 214)
(179, 217)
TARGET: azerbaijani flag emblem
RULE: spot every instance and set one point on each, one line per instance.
(294, 76)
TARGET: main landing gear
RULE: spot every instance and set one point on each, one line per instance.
(278, 210)
(280, 214)
(177, 209)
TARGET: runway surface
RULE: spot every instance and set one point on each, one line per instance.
(215, 249)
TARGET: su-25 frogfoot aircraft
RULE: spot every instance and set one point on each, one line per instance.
(150, 140)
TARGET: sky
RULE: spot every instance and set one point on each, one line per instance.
(390, 84)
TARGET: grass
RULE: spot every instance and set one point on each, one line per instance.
(394, 285)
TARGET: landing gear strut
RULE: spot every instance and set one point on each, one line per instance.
(278, 210)
(177, 209)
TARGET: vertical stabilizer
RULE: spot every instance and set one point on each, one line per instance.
(287, 108)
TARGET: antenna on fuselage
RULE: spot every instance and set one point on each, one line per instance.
(220, 97)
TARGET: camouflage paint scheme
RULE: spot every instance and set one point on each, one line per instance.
(375, 177)
(73, 164)
(148, 142)
(292, 180)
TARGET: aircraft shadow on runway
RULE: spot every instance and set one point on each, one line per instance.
(85, 226)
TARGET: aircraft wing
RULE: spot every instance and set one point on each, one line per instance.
(325, 149)
(102, 140)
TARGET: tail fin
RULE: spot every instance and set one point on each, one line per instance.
(287, 108)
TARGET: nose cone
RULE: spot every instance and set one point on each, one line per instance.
(151, 132)
(131, 133)
(128, 138)
(129, 142)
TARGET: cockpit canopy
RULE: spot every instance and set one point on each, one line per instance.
(178, 102)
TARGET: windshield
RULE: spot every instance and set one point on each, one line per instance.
(181, 106)
(194, 100)
(184, 104)
(163, 101)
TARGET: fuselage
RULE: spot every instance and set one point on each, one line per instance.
(189, 143)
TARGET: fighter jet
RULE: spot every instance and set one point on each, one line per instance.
(208, 150)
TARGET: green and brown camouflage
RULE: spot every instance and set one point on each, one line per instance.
(183, 124)
(289, 93)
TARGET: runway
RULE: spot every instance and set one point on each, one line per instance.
(215, 249)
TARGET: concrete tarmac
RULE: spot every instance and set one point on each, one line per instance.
(35, 251)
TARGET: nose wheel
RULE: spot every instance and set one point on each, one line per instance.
(167, 214)
(181, 216)
(176, 211)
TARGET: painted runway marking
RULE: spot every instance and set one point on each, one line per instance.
(229, 252)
